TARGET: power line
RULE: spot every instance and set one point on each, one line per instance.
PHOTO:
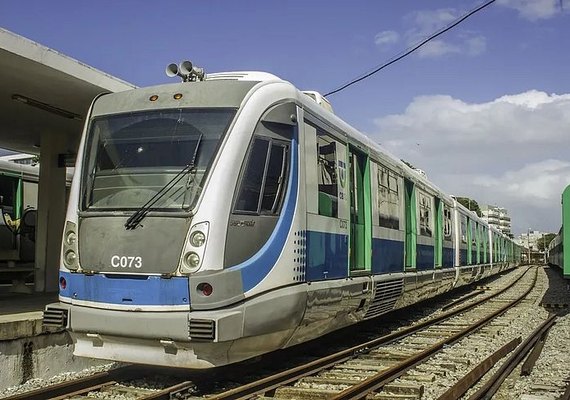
(414, 48)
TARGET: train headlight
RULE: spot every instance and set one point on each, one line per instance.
(70, 250)
(197, 239)
(192, 260)
(70, 259)
(70, 238)
(194, 248)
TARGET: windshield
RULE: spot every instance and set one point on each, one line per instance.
(130, 157)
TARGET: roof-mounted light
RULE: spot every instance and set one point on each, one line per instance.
(187, 71)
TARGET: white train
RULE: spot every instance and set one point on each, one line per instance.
(230, 215)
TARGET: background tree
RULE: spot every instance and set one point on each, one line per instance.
(543, 242)
(470, 204)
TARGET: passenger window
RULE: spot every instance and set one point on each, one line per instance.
(264, 179)
(463, 229)
(447, 223)
(426, 214)
(8, 195)
(327, 176)
(388, 199)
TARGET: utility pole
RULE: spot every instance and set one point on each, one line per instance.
(544, 245)
(528, 244)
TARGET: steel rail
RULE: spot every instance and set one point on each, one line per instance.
(465, 383)
(291, 375)
(77, 385)
(462, 299)
(380, 379)
(494, 383)
(179, 391)
(534, 354)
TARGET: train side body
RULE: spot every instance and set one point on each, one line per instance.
(210, 222)
(559, 245)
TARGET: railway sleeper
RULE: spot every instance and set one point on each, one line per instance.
(420, 376)
(293, 392)
(340, 380)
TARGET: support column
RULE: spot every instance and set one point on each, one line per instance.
(51, 214)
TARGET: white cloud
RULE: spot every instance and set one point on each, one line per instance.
(471, 46)
(424, 23)
(511, 151)
(386, 38)
(533, 9)
(429, 21)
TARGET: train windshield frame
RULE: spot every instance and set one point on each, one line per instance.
(130, 157)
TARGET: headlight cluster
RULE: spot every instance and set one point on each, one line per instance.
(194, 249)
(70, 248)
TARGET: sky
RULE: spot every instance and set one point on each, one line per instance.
(484, 109)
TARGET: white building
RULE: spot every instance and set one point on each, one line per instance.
(497, 217)
(531, 238)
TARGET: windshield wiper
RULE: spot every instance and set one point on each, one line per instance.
(135, 219)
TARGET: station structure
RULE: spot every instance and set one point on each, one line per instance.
(44, 99)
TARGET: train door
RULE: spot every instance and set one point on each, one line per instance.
(485, 244)
(447, 236)
(360, 212)
(327, 202)
(438, 234)
(411, 224)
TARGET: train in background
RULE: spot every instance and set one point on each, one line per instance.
(230, 215)
(19, 179)
(18, 205)
(559, 244)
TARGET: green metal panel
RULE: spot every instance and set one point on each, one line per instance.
(469, 245)
(485, 234)
(438, 253)
(478, 243)
(361, 212)
(411, 225)
(19, 199)
(566, 232)
(367, 215)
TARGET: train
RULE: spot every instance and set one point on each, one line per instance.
(229, 215)
(19, 179)
(557, 246)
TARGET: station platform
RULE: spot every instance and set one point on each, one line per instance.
(21, 314)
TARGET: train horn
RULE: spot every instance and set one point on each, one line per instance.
(186, 70)
(172, 70)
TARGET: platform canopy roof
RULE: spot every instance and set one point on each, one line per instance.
(44, 92)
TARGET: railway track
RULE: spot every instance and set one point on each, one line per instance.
(393, 366)
(373, 366)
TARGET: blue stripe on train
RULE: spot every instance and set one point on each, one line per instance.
(424, 257)
(140, 290)
(387, 256)
(462, 257)
(327, 256)
(447, 257)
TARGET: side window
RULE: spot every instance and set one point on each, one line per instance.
(8, 194)
(388, 198)
(446, 222)
(274, 178)
(463, 229)
(264, 179)
(426, 214)
(473, 233)
(327, 175)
